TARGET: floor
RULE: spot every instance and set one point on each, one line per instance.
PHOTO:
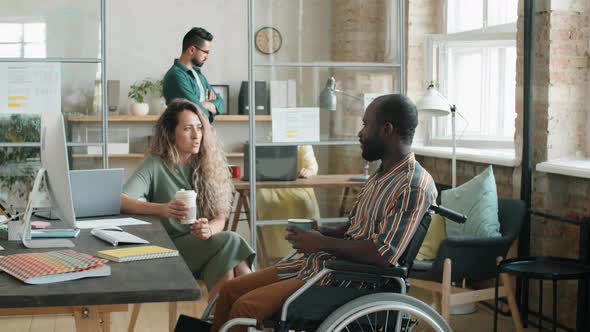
(154, 317)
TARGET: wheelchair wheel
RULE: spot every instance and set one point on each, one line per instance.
(380, 312)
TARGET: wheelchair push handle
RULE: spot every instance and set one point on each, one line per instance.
(449, 214)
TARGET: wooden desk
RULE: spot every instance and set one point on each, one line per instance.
(318, 181)
(93, 299)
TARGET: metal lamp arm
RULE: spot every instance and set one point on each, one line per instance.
(348, 94)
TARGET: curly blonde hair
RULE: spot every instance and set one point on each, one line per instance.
(211, 177)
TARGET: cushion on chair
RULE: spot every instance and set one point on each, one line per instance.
(436, 233)
(478, 200)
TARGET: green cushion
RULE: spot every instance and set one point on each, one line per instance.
(477, 199)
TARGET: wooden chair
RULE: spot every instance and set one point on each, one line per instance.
(472, 259)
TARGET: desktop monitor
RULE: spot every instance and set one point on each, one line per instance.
(54, 158)
(55, 171)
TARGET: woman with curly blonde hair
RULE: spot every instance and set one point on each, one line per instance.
(185, 154)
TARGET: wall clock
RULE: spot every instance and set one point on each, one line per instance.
(268, 40)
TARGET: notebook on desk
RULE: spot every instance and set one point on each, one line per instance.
(136, 253)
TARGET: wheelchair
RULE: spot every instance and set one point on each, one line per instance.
(377, 303)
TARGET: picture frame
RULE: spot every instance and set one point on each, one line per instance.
(223, 91)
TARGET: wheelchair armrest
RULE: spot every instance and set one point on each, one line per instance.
(347, 266)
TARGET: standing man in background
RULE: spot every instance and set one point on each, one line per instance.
(185, 79)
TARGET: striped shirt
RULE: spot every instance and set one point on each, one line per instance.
(387, 212)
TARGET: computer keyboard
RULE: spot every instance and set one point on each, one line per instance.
(54, 233)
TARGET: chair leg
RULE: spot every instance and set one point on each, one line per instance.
(105, 321)
(134, 315)
(511, 302)
(436, 300)
(446, 290)
(237, 212)
(172, 315)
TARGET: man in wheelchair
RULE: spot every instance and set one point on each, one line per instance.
(382, 223)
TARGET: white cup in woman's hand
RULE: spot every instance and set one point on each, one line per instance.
(189, 197)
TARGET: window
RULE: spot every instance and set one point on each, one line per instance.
(474, 64)
(23, 40)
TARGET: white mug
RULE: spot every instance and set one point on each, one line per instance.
(189, 197)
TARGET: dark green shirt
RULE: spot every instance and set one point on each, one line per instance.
(179, 82)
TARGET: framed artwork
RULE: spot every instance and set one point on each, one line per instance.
(223, 91)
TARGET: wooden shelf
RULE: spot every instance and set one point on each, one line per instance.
(154, 118)
(243, 118)
(121, 156)
(231, 155)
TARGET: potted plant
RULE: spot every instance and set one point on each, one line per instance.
(137, 93)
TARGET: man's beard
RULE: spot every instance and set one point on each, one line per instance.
(372, 151)
(196, 63)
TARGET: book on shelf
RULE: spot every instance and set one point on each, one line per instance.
(137, 253)
(53, 266)
(115, 235)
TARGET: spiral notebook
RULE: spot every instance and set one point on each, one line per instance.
(137, 253)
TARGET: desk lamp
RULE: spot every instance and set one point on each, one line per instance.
(433, 103)
(328, 101)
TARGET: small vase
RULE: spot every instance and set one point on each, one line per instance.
(139, 109)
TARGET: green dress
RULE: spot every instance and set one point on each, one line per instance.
(157, 182)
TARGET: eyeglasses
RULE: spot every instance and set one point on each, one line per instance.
(202, 50)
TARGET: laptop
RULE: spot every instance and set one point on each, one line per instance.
(273, 163)
(95, 192)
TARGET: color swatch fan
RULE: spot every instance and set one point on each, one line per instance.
(53, 266)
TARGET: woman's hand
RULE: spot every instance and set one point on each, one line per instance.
(305, 173)
(201, 229)
(174, 209)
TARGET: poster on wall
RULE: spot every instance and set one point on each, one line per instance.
(30, 87)
(295, 124)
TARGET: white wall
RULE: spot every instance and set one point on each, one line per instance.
(143, 38)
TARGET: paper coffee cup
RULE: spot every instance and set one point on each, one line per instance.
(189, 197)
(304, 224)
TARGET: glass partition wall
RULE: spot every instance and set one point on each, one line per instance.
(297, 49)
(64, 37)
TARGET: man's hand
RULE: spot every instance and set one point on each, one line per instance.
(174, 209)
(211, 95)
(303, 241)
(201, 229)
(209, 106)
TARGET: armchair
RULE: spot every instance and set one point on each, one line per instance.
(472, 259)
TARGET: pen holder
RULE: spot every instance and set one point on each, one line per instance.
(14, 230)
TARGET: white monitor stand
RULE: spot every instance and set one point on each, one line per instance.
(24, 227)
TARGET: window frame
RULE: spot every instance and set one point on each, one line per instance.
(22, 43)
(436, 59)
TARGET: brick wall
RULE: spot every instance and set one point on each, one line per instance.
(358, 29)
(424, 17)
(561, 126)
